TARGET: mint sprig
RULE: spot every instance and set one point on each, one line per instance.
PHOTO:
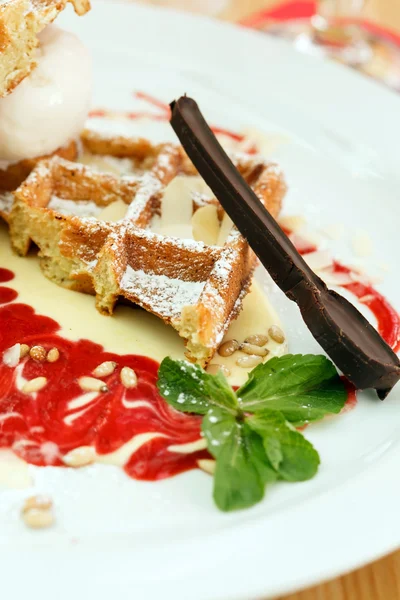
(251, 432)
(303, 388)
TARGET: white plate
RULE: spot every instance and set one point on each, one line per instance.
(119, 538)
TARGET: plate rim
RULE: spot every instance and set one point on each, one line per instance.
(230, 577)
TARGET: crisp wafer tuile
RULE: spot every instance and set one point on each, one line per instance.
(20, 23)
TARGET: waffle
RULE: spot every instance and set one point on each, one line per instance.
(14, 174)
(195, 287)
(20, 23)
(113, 148)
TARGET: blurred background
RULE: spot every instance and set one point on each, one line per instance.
(382, 11)
(364, 34)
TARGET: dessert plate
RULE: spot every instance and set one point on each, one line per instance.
(336, 136)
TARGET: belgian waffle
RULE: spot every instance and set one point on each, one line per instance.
(14, 174)
(195, 287)
(20, 23)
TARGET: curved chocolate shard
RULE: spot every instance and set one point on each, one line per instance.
(352, 343)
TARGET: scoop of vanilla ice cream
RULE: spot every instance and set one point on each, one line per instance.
(49, 108)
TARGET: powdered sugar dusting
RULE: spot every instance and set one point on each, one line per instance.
(149, 186)
(191, 245)
(165, 160)
(223, 268)
(6, 202)
(78, 208)
(200, 199)
(42, 170)
(163, 295)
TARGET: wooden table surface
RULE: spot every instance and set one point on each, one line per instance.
(379, 580)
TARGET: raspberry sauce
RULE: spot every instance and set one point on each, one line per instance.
(42, 427)
(162, 114)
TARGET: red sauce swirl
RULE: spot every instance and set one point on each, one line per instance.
(42, 428)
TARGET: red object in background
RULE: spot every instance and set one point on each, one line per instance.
(305, 9)
(281, 12)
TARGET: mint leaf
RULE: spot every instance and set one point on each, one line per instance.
(273, 451)
(303, 387)
(256, 448)
(293, 457)
(242, 468)
(188, 388)
(217, 426)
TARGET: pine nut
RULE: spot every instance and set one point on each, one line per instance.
(254, 350)
(276, 334)
(207, 465)
(38, 353)
(34, 385)
(53, 355)
(37, 512)
(128, 377)
(258, 339)
(228, 348)
(247, 362)
(38, 519)
(23, 350)
(90, 384)
(216, 368)
(80, 457)
(105, 368)
(38, 502)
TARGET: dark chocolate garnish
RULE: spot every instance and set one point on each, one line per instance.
(352, 343)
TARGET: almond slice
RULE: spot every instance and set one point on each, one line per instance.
(320, 259)
(114, 212)
(205, 225)
(225, 230)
